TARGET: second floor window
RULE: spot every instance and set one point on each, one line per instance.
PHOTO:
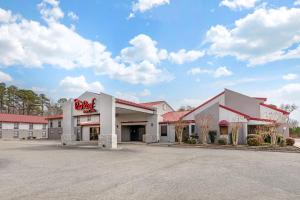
(44, 126)
(30, 126)
(78, 121)
(59, 124)
(16, 125)
(89, 118)
(0, 125)
(51, 124)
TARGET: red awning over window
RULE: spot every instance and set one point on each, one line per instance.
(223, 123)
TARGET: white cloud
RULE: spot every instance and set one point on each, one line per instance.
(183, 56)
(222, 71)
(264, 36)
(217, 73)
(133, 96)
(290, 76)
(145, 93)
(143, 48)
(4, 77)
(50, 10)
(297, 2)
(287, 94)
(239, 4)
(145, 5)
(80, 85)
(31, 44)
(198, 70)
(73, 16)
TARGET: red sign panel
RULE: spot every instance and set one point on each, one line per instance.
(85, 106)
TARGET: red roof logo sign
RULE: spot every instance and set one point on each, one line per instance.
(85, 106)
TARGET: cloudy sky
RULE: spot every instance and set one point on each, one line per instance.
(142, 50)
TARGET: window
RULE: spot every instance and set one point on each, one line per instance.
(0, 125)
(30, 126)
(193, 129)
(89, 118)
(44, 134)
(164, 130)
(78, 121)
(51, 124)
(59, 123)
(16, 126)
(44, 126)
(16, 134)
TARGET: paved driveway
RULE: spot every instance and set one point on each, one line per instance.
(47, 171)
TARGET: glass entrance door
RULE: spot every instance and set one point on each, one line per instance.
(94, 133)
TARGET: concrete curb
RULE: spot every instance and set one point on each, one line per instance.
(287, 149)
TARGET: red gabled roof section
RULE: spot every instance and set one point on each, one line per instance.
(130, 103)
(261, 98)
(206, 102)
(246, 116)
(154, 103)
(54, 117)
(171, 117)
(275, 108)
(15, 118)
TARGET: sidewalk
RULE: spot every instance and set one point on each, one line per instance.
(297, 142)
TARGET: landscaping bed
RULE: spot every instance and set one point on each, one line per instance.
(288, 149)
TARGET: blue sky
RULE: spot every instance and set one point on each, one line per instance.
(181, 51)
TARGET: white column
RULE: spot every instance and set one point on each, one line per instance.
(245, 132)
(152, 128)
(107, 108)
(68, 136)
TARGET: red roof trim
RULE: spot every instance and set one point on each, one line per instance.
(16, 118)
(206, 102)
(130, 103)
(89, 124)
(134, 122)
(235, 111)
(261, 98)
(277, 109)
(153, 103)
(261, 119)
(54, 117)
(173, 122)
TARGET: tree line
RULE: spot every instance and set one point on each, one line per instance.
(14, 100)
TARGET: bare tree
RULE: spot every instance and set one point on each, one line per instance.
(289, 108)
(235, 128)
(179, 127)
(204, 123)
(278, 119)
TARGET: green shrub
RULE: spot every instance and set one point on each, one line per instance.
(280, 140)
(191, 140)
(266, 137)
(194, 136)
(254, 140)
(212, 136)
(290, 141)
(222, 141)
(251, 136)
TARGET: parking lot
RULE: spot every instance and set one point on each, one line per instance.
(45, 170)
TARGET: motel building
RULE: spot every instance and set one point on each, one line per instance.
(13, 126)
(106, 121)
(109, 120)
